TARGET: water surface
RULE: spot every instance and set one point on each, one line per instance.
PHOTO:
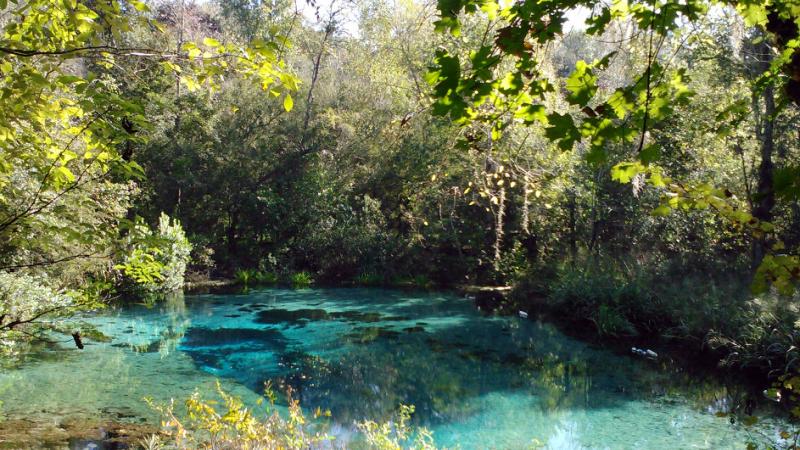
(477, 381)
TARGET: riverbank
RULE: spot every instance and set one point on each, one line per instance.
(72, 433)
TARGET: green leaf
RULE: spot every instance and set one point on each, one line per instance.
(582, 84)
(562, 129)
(191, 83)
(753, 12)
(649, 154)
(661, 211)
(140, 6)
(621, 103)
(625, 171)
(532, 113)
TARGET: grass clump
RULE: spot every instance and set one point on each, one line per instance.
(301, 279)
(248, 277)
(369, 279)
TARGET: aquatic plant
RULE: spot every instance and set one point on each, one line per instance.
(247, 277)
(301, 279)
(244, 276)
(369, 279)
(422, 281)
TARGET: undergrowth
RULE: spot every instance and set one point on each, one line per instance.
(227, 423)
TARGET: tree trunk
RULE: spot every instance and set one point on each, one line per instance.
(573, 226)
(764, 200)
(232, 244)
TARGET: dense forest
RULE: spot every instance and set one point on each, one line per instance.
(630, 169)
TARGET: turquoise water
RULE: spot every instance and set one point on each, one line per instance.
(476, 381)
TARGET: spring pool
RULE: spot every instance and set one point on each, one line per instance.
(476, 381)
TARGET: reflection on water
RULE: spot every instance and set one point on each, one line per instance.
(477, 381)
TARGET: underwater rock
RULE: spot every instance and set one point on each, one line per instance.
(151, 347)
(397, 318)
(301, 317)
(76, 433)
(290, 316)
(369, 334)
(268, 338)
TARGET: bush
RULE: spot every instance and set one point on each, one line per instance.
(765, 337)
(175, 252)
(155, 261)
(237, 427)
(234, 427)
(202, 263)
(601, 298)
(350, 237)
(718, 313)
(396, 435)
(25, 299)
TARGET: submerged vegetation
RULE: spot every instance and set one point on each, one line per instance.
(629, 167)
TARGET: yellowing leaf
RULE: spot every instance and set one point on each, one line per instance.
(288, 103)
(211, 42)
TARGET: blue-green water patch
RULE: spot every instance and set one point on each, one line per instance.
(477, 381)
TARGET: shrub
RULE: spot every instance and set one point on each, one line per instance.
(248, 277)
(766, 337)
(234, 426)
(175, 252)
(396, 435)
(155, 261)
(350, 236)
(23, 300)
(202, 262)
(422, 281)
(599, 298)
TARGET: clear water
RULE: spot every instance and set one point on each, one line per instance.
(477, 381)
